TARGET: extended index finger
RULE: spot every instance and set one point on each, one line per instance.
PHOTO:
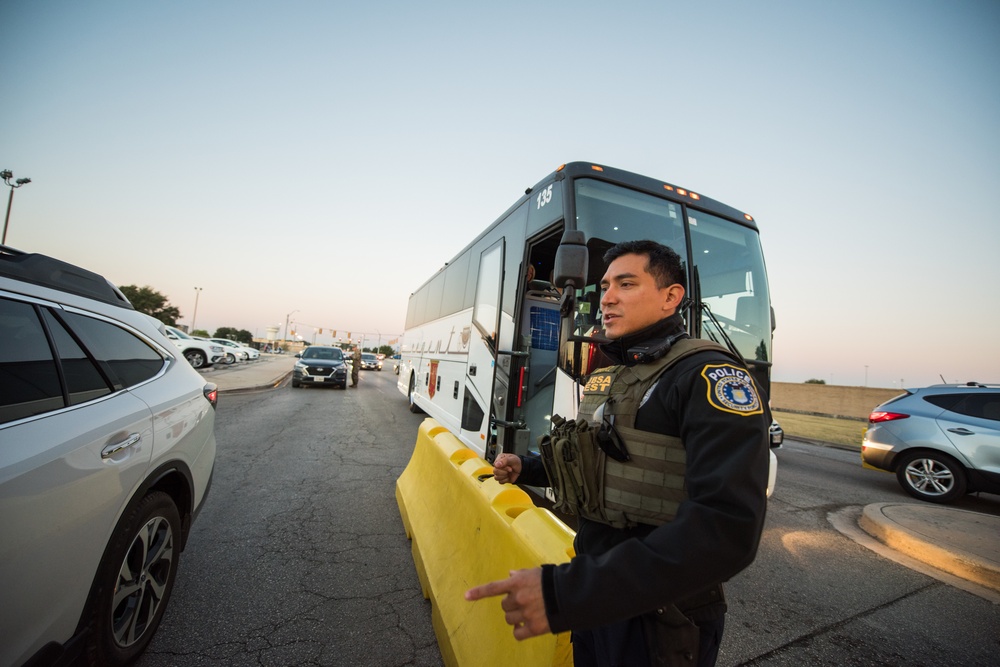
(492, 589)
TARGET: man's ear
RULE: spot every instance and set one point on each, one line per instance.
(674, 296)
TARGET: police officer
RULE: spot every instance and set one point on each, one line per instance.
(355, 366)
(645, 586)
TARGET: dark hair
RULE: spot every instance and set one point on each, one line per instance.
(661, 261)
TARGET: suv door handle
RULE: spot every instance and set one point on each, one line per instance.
(961, 431)
(111, 450)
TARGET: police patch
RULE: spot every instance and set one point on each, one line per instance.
(731, 389)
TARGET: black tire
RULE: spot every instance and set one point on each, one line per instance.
(931, 476)
(134, 581)
(195, 357)
(230, 359)
(296, 384)
(414, 408)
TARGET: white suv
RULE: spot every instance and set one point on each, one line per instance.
(239, 351)
(199, 353)
(107, 447)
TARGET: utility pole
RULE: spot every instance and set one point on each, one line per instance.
(197, 292)
(286, 322)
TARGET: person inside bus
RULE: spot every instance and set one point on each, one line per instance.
(645, 585)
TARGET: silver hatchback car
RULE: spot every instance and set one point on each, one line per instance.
(107, 447)
(941, 441)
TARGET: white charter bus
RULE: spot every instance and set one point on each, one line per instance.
(498, 339)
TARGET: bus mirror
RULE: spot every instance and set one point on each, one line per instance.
(572, 259)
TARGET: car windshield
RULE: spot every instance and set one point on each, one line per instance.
(368, 357)
(323, 353)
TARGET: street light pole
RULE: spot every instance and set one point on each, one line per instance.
(197, 292)
(286, 323)
(7, 174)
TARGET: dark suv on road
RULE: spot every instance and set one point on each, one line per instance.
(107, 447)
(941, 441)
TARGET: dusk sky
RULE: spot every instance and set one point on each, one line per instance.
(323, 159)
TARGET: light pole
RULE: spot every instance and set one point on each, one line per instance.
(197, 292)
(7, 174)
(285, 337)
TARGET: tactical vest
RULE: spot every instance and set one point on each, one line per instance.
(650, 486)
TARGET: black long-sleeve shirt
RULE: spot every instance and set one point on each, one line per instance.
(619, 574)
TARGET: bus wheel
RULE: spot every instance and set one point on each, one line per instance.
(414, 408)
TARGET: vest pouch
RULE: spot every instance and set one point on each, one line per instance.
(573, 463)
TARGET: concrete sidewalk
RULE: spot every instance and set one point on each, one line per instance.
(961, 543)
(268, 371)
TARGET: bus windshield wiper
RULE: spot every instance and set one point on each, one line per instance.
(725, 337)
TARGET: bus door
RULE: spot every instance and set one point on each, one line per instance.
(486, 385)
(533, 388)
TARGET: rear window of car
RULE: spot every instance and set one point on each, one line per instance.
(944, 401)
(95, 358)
(981, 405)
(29, 378)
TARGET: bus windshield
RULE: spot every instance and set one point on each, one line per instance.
(727, 270)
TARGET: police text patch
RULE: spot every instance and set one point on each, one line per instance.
(731, 389)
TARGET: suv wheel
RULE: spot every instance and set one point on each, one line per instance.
(134, 581)
(931, 476)
(195, 357)
(230, 359)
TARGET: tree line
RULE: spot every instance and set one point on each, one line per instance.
(147, 300)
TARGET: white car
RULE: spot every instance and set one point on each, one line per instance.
(231, 355)
(199, 353)
(107, 447)
(248, 353)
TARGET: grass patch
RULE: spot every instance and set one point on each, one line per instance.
(838, 431)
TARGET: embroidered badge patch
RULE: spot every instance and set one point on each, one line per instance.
(731, 389)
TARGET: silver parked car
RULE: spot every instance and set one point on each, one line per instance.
(107, 447)
(941, 441)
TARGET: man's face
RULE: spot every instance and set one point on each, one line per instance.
(630, 299)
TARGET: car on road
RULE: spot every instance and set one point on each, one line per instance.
(370, 362)
(199, 353)
(941, 441)
(249, 353)
(107, 448)
(320, 364)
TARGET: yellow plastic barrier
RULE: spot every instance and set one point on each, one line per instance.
(467, 531)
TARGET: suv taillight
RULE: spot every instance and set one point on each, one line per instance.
(212, 393)
(882, 416)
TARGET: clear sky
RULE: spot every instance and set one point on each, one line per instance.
(322, 159)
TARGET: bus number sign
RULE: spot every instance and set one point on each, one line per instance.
(544, 197)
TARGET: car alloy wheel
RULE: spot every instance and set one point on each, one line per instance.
(931, 476)
(230, 359)
(135, 580)
(196, 358)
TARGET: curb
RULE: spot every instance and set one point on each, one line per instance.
(875, 522)
(277, 382)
